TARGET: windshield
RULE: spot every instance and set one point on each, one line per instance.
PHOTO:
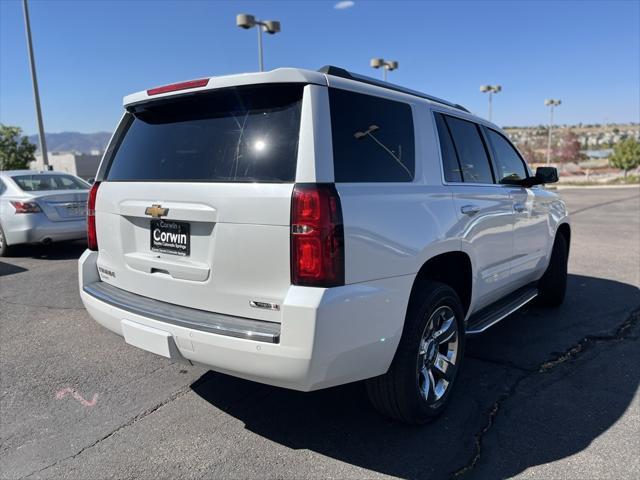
(39, 182)
(240, 134)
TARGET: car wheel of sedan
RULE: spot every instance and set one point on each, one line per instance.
(4, 248)
(417, 387)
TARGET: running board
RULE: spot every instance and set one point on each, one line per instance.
(489, 316)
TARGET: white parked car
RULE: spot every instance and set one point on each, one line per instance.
(41, 207)
(309, 229)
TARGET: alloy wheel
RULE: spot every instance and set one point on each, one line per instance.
(437, 355)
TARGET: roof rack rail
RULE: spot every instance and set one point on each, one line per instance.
(341, 72)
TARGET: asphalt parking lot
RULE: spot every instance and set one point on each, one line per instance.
(544, 394)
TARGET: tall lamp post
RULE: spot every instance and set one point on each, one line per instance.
(551, 103)
(36, 93)
(249, 21)
(386, 65)
(490, 89)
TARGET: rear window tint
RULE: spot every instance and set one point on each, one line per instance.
(37, 183)
(372, 138)
(241, 134)
(471, 151)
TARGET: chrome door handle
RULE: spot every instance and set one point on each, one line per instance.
(519, 207)
(470, 209)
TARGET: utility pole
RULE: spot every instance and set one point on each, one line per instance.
(552, 103)
(36, 94)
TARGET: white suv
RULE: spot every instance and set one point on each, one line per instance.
(308, 229)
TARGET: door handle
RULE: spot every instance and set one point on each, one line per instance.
(470, 209)
(519, 207)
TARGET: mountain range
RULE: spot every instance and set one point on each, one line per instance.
(74, 141)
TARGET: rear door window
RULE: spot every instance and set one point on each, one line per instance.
(240, 134)
(509, 164)
(373, 138)
(471, 151)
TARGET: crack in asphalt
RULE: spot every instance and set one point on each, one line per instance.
(130, 422)
(179, 393)
(621, 333)
(507, 364)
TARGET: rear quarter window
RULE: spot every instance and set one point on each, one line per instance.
(239, 134)
(373, 139)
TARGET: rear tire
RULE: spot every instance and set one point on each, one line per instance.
(4, 248)
(552, 286)
(418, 384)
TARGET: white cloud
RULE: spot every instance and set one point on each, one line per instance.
(344, 4)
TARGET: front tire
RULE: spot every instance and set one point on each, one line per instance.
(552, 286)
(417, 387)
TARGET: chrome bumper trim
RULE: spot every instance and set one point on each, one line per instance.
(217, 323)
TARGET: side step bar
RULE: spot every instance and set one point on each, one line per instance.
(489, 316)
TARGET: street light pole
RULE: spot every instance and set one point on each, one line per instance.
(386, 65)
(552, 103)
(249, 21)
(490, 89)
(260, 60)
(36, 93)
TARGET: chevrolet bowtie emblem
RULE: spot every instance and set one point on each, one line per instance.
(156, 211)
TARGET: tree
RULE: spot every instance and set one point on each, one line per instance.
(626, 155)
(15, 150)
(529, 153)
(568, 149)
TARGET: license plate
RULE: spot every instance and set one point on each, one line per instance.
(170, 237)
(76, 210)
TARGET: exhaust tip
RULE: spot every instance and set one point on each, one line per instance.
(47, 241)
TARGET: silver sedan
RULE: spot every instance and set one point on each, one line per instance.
(41, 207)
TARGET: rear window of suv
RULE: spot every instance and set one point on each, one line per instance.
(240, 134)
(373, 138)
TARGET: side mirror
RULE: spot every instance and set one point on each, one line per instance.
(543, 175)
(546, 174)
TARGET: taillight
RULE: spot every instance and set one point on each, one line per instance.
(92, 237)
(26, 207)
(317, 236)
(178, 86)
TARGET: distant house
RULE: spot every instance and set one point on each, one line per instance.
(83, 165)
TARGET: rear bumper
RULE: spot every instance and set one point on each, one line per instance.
(327, 337)
(36, 227)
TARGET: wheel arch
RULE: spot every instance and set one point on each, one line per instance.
(451, 268)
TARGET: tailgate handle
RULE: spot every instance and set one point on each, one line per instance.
(179, 268)
(160, 270)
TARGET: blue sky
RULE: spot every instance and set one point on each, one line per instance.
(90, 54)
